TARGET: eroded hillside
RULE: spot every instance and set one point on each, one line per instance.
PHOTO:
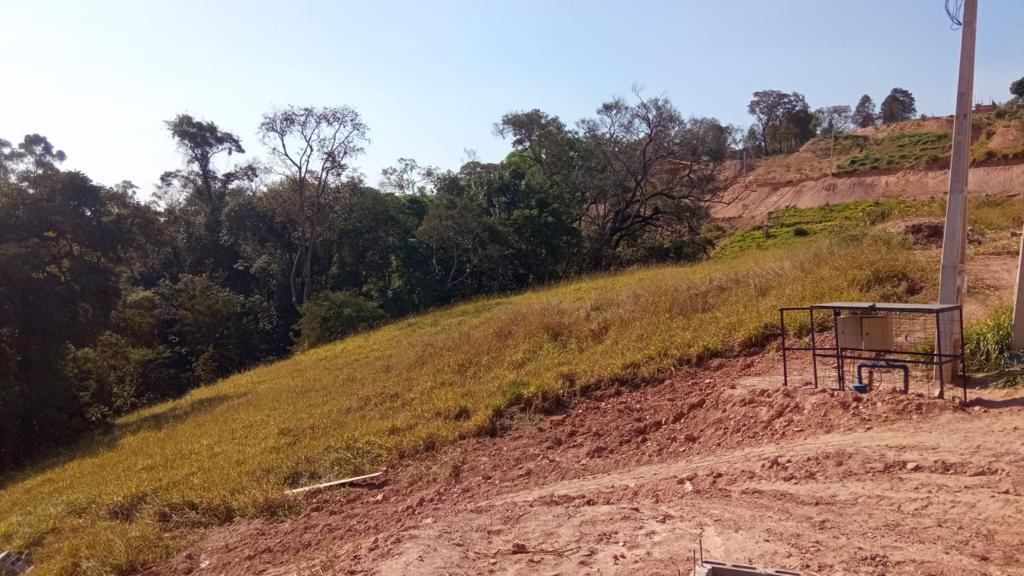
(906, 160)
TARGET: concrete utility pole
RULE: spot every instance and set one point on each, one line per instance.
(1018, 301)
(952, 275)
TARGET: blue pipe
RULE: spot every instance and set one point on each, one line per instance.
(861, 387)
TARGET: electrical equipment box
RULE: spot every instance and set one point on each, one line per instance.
(877, 332)
(850, 331)
(860, 332)
(860, 343)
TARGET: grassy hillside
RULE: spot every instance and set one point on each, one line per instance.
(139, 492)
(915, 144)
(789, 226)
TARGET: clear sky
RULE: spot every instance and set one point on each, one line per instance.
(431, 77)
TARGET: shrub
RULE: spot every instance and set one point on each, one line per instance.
(329, 316)
(988, 343)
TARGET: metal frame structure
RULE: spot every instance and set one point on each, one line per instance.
(899, 359)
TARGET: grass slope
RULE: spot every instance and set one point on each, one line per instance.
(788, 226)
(914, 144)
(897, 152)
(138, 493)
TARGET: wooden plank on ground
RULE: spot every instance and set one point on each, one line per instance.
(333, 483)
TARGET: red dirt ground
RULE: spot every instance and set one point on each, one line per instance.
(627, 481)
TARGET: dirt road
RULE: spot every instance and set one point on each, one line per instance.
(626, 483)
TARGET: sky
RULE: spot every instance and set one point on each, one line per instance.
(431, 78)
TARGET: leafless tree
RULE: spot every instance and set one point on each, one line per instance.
(312, 147)
(407, 177)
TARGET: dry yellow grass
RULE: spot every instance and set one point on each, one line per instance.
(139, 492)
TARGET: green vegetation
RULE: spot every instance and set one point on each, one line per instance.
(989, 156)
(845, 144)
(989, 342)
(108, 304)
(788, 226)
(1010, 115)
(135, 493)
(989, 348)
(987, 213)
(330, 316)
(898, 151)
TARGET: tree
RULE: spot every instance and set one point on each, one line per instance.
(535, 222)
(767, 108)
(375, 251)
(784, 120)
(312, 147)
(33, 155)
(832, 119)
(407, 177)
(898, 106)
(864, 113)
(328, 316)
(200, 191)
(645, 165)
(60, 244)
(556, 157)
(751, 147)
(1017, 88)
(200, 143)
(461, 241)
(539, 133)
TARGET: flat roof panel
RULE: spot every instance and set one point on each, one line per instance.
(886, 306)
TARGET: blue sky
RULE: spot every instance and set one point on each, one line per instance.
(431, 77)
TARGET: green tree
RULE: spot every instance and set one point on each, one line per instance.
(832, 119)
(535, 223)
(898, 106)
(460, 241)
(1017, 88)
(784, 120)
(328, 316)
(197, 195)
(60, 245)
(646, 165)
(375, 250)
(864, 113)
(407, 177)
(35, 154)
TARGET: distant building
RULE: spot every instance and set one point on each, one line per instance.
(986, 107)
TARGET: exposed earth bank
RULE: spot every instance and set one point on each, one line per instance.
(754, 200)
(627, 483)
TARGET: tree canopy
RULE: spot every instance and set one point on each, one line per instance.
(784, 120)
(898, 106)
(864, 113)
(108, 303)
(1017, 88)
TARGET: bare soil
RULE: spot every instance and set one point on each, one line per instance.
(1007, 137)
(750, 200)
(938, 124)
(628, 481)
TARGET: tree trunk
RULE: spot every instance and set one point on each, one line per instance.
(291, 278)
(307, 271)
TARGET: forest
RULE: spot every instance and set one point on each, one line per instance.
(110, 302)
